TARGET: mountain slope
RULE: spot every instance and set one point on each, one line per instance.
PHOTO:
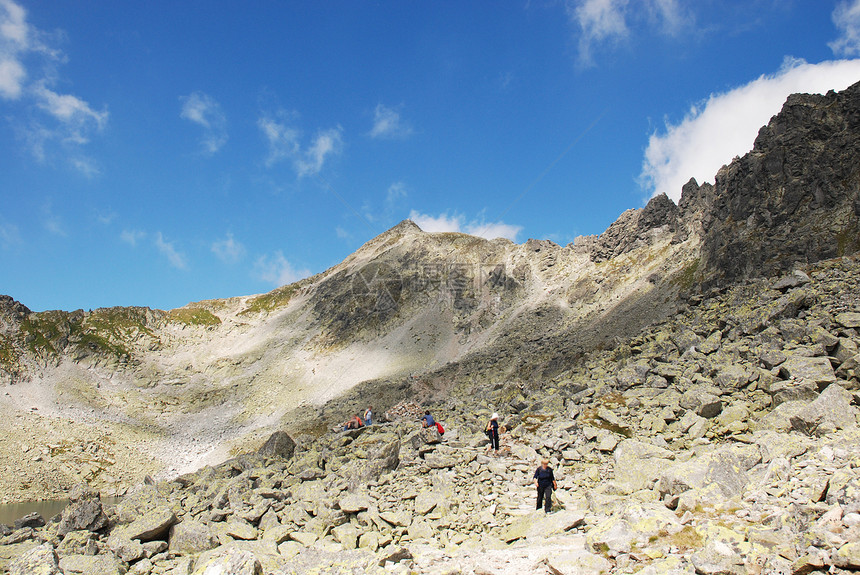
(414, 314)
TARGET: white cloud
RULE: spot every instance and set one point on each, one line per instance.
(598, 21)
(69, 109)
(204, 111)
(275, 269)
(608, 21)
(86, 166)
(284, 143)
(726, 124)
(458, 223)
(283, 140)
(388, 124)
(325, 143)
(228, 250)
(846, 17)
(68, 120)
(14, 36)
(131, 237)
(173, 256)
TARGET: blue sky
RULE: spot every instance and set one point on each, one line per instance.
(157, 153)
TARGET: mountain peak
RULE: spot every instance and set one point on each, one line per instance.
(407, 226)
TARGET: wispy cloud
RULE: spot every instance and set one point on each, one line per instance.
(51, 221)
(9, 235)
(132, 237)
(86, 166)
(387, 123)
(14, 43)
(204, 111)
(846, 17)
(106, 217)
(342, 233)
(324, 144)
(176, 258)
(607, 22)
(275, 269)
(66, 119)
(725, 125)
(457, 223)
(228, 250)
(284, 142)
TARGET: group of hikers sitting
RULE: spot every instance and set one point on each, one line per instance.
(357, 421)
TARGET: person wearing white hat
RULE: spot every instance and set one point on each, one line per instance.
(493, 432)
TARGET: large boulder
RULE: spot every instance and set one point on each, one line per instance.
(40, 560)
(107, 564)
(153, 524)
(229, 560)
(84, 512)
(190, 537)
(539, 526)
(279, 446)
(830, 411)
(638, 464)
(815, 369)
(726, 468)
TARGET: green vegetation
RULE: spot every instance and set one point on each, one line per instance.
(193, 316)
(848, 241)
(688, 276)
(275, 299)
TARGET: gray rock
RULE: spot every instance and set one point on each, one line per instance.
(771, 358)
(830, 411)
(577, 563)
(849, 319)
(152, 525)
(845, 350)
(783, 391)
(32, 520)
(78, 543)
(815, 369)
(347, 535)
(796, 279)
(229, 560)
(190, 537)
(717, 558)
(638, 465)
(279, 445)
(92, 565)
(126, 549)
(705, 404)
(726, 468)
(40, 560)
(354, 502)
(82, 514)
(539, 526)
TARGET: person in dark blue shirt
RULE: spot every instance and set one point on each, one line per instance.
(545, 483)
(427, 420)
(493, 433)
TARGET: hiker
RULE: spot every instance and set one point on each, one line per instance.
(353, 423)
(493, 432)
(368, 415)
(427, 420)
(545, 483)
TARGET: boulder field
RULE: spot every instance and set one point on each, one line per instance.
(720, 441)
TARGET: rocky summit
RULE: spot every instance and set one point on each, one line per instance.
(692, 375)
